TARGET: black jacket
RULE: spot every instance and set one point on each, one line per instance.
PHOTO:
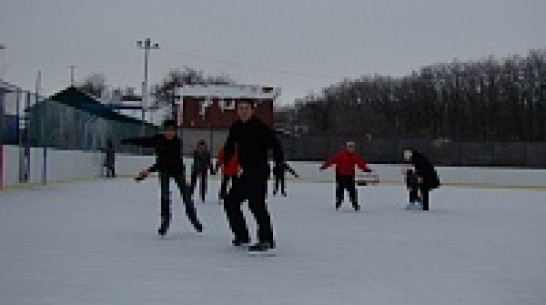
(168, 152)
(425, 170)
(280, 168)
(253, 140)
(412, 180)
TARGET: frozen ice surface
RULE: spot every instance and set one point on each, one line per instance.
(95, 243)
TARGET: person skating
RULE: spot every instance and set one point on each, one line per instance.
(252, 139)
(279, 173)
(169, 164)
(427, 175)
(345, 161)
(230, 171)
(201, 166)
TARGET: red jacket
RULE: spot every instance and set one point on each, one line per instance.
(345, 161)
(230, 168)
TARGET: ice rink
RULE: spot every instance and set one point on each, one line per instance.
(95, 242)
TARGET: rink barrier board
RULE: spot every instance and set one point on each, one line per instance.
(69, 166)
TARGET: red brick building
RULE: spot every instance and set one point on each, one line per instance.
(213, 106)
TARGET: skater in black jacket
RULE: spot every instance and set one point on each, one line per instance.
(428, 178)
(201, 166)
(169, 164)
(279, 171)
(253, 139)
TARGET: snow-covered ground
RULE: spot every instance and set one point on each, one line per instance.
(95, 243)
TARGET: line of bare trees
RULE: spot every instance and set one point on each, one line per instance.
(490, 99)
(96, 85)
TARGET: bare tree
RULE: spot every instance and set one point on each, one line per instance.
(94, 84)
(488, 99)
(189, 76)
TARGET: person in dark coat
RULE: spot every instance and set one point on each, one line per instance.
(169, 164)
(428, 178)
(252, 139)
(109, 159)
(201, 166)
(345, 161)
(279, 172)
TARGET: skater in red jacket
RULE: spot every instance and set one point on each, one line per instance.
(345, 161)
(230, 171)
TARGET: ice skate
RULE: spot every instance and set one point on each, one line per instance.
(238, 242)
(263, 248)
(414, 206)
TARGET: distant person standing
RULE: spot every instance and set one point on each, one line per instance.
(252, 139)
(230, 171)
(345, 161)
(169, 164)
(426, 174)
(109, 159)
(279, 173)
(201, 166)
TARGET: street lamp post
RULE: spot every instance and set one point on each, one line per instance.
(72, 68)
(2, 48)
(146, 45)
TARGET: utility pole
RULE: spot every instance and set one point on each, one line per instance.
(146, 45)
(2, 48)
(43, 119)
(72, 67)
(2, 115)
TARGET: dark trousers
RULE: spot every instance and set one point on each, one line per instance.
(224, 184)
(414, 194)
(279, 181)
(203, 176)
(424, 196)
(251, 186)
(110, 171)
(164, 183)
(346, 182)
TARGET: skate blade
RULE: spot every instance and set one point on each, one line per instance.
(268, 253)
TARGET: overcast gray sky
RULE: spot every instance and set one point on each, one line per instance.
(298, 45)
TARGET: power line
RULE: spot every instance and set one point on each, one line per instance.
(253, 67)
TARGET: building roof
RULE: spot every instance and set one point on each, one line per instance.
(229, 91)
(74, 97)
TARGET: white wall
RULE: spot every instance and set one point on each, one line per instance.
(129, 165)
(11, 164)
(475, 176)
(71, 165)
(61, 165)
